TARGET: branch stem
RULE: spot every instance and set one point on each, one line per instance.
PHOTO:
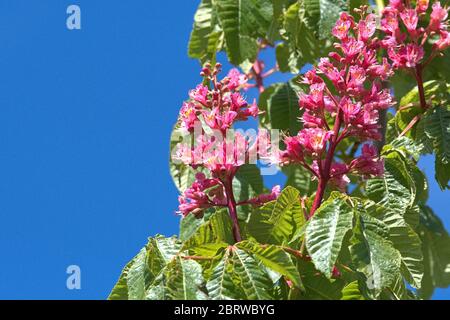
(419, 78)
(231, 203)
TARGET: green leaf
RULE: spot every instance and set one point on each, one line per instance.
(184, 280)
(351, 292)
(373, 253)
(276, 221)
(280, 105)
(405, 240)
(321, 15)
(273, 258)
(248, 183)
(300, 178)
(300, 46)
(326, 231)
(436, 127)
(317, 286)
(394, 189)
(220, 286)
(207, 35)
(255, 283)
(120, 290)
(136, 277)
(436, 250)
(243, 22)
(212, 234)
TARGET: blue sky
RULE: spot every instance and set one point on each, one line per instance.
(85, 119)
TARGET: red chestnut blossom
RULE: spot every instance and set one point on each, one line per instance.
(264, 198)
(353, 100)
(405, 46)
(203, 194)
(211, 112)
(368, 164)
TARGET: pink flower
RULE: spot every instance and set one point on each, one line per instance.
(350, 110)
(264, 198)
(396, 4)
(338, 176)
(383, 71)
(408, 55)
(438, 15)
(410, 19)
(293, 152)
(311, 77)
(389, 22)
(236, 79)
(444, 40)
(369, 164)
(351, 48)
(314, 100)
(367, 27)
(343, 25)
(312, 121)
(328, 69)
(199, 94)
(203, 194)
(422, 5)
(357, 78)
(314, 140)
(188, 116)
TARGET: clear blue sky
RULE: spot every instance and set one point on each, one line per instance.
(85, 119)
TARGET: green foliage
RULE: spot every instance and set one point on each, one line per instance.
(326, 231)
(277, 221)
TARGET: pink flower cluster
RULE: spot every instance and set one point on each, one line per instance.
(213, 108)
(353, 100)
(203, 194)
(407, 30)
(220, 106)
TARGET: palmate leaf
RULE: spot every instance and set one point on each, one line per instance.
(273, 258)
(276, 221)
(247, 184)
(255, 282)
(326, 231)
(432, 133)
